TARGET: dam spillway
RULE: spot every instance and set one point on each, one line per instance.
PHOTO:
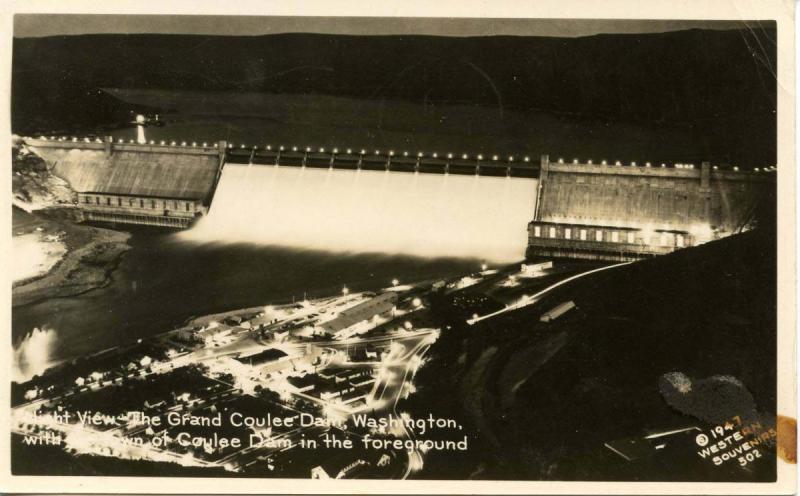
(360, 211)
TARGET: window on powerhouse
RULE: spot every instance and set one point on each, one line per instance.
(609, 236)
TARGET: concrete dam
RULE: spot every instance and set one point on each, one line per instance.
(450, 205)
(129, 183)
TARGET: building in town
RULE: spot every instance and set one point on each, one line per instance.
(355, 319)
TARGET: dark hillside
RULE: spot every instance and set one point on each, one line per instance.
(720, 82)
(545, 398)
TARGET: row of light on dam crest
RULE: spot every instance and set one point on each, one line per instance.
(122, 141)
(391, 153)
(307, 149)
(689, 166)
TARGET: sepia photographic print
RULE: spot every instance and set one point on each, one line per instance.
(290, 252)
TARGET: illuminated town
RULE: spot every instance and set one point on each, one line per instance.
(245, 390)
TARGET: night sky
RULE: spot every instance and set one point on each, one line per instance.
(33, 25)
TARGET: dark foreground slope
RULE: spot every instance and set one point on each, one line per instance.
(543, 399)
(719, 82)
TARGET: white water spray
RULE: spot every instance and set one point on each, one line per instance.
(363, 211)
(32, 355)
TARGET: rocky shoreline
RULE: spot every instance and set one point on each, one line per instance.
(92, 255)
(46, 205)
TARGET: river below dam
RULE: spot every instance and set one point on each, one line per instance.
(164, 280)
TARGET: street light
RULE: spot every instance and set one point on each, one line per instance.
(395, 282)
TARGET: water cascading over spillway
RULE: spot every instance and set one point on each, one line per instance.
(428, 215)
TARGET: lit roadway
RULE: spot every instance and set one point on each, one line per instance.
(529, 300)
(388, 391)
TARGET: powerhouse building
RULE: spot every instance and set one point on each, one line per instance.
(615, 212)
(162, 184)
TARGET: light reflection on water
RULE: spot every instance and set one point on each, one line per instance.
(163, 281)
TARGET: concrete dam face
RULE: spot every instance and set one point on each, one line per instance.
(167, 186)
(615, 212)
(431, 215)
(423, 204)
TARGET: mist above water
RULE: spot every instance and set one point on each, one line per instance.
(427, 215)
(32, 354)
